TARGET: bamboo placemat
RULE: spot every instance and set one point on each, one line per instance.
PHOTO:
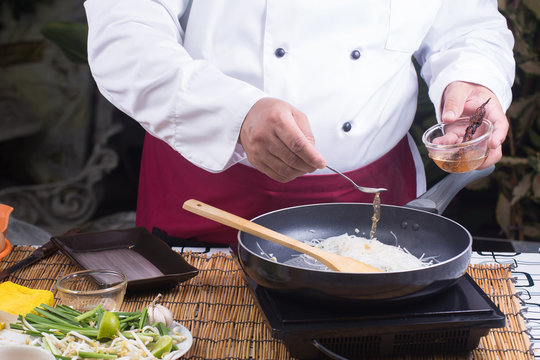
(218, 309)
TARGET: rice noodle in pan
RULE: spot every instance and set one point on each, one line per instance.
(388, 258)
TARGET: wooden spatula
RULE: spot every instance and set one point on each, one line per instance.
(332, 261)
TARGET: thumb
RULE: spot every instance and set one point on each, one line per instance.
(453, 101)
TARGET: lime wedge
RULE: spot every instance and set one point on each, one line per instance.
(108, 328)
(162, 346)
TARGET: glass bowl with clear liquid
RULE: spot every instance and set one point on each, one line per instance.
(447, 149)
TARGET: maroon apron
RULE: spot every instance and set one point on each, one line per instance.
(167, 180)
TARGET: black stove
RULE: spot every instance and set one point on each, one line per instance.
(319, 327)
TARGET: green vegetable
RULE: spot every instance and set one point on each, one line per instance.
(89, 314)
(144, 317)
(62, 357)
(91, 355)
(97, 324)
(163, 329)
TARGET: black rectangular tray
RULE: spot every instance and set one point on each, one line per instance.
(147, 261)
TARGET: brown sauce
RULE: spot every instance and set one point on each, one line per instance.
(376, 214)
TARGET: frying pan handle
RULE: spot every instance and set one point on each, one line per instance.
(326, 351)
(437, 198)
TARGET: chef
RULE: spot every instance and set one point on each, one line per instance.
(246, 101)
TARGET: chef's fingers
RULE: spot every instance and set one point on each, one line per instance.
(461, 99)
(475, 95)
(500, 130)
(494, 155)
(286, 147)
(287, 156)
(500, 127)
(274, 142)
(449, 138)
(453, 101)
(478, 95)
(276, 169)
(296, 135)
(274, 159)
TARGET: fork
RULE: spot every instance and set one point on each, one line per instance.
(367, 190)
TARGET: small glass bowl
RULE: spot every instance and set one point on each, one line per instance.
(84, 290)
(446, 148)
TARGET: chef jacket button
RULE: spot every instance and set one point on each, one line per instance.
(355, 54)
(347, 127)
(280, 52)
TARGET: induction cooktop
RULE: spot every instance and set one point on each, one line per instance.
(314, 327)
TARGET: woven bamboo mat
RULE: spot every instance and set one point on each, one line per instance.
(218, 309)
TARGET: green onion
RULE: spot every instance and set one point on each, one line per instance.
(144, 317)
(93, 355)
(130, 319)
(90, 313)
(62, 357)
(54, 317)
(127, 313)
(144, 337)
(163, 329)
(68, 309)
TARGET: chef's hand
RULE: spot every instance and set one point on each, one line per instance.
(278, 141)
(462, 99)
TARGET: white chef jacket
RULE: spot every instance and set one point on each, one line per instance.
(190, 72)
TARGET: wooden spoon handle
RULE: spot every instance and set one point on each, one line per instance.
(223, 217)
(239, 223)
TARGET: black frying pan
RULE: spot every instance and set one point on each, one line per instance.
(417, 226)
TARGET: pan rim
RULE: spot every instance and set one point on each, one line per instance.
(467, 250)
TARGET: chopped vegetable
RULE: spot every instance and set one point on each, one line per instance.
(97, 334)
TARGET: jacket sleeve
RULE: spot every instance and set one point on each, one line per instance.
(137, 59)
(469, 41)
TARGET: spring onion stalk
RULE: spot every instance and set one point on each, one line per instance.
(60, 312)
(93, 355)
(127, 313)
(60, 357)
(54, 317)
(144, 317)
(123, 327)
(143, 336)
(163, 329)
(68, 310)
(128, 319)
(90, 313)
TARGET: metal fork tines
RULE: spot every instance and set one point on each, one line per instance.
(361, 188)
